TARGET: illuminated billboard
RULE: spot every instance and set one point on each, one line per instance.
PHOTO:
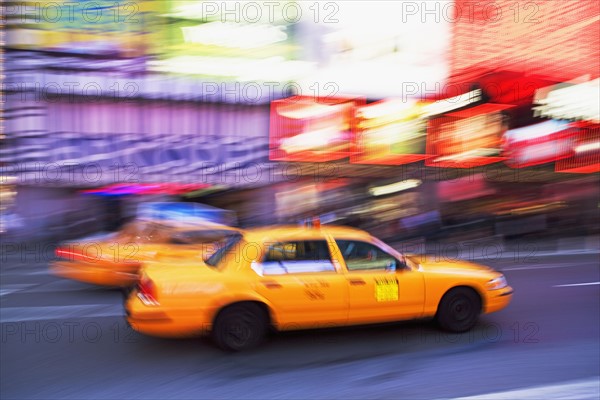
(390, 132)
(101, 27)
(577, 150)
(241, 41)
(586, 151)
(467, 138)
(540, 143)
(243, 50)
(243, 29)
(304, 128)
(574, 100)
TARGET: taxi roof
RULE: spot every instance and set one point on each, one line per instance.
(289, 232)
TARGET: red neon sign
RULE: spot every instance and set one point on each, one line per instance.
(586, 157)
(304, 128)
(467, 138)
(539, 144)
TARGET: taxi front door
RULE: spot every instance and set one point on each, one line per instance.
(381, 288)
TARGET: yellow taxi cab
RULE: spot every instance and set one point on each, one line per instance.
(293, 277)
(115, 259)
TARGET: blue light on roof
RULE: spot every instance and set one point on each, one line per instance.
(185, 212)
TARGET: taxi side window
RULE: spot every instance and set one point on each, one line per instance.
(301, 256)
(365, 256)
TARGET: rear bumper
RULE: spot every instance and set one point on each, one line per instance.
(498, 299)
(165, 322)
(97, 274)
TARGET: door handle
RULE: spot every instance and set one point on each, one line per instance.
(271, 285)
(357, 282)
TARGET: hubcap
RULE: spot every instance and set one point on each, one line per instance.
(461, 309)
(238, 334)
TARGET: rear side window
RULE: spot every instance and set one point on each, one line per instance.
(215, 259)
(302, 256)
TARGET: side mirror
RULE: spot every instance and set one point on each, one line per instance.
(401, 265)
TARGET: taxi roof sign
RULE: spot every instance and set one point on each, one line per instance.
(185, 212)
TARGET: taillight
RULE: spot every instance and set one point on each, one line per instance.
(147, 291)
(61, 253)
(76, 254)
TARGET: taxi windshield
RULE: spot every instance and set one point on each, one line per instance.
(387, 248)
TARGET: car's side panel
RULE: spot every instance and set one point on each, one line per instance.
(298, 299)
(382, 295)
(308, 300)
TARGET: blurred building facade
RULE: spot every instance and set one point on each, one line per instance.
(117, 105)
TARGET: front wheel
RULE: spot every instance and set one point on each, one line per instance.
(459, 310)
(240, 327)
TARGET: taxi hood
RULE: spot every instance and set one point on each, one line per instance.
(431, 263)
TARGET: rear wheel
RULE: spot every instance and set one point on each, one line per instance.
(240, 327)
(459, 310)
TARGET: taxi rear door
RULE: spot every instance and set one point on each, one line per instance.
(301, 281)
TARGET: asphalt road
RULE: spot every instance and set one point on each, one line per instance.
(62, 339)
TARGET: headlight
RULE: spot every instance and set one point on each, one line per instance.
(497, 283)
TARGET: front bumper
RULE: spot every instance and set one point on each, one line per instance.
(498, 299)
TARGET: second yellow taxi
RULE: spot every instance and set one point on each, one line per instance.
(115, 259)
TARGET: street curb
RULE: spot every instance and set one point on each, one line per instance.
(496, 248)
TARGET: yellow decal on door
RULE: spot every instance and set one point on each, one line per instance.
(313, 291)
(386, 289)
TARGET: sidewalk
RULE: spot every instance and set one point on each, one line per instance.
(496, 247)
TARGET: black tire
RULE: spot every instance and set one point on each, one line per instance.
(459, 310)
(240, 327)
